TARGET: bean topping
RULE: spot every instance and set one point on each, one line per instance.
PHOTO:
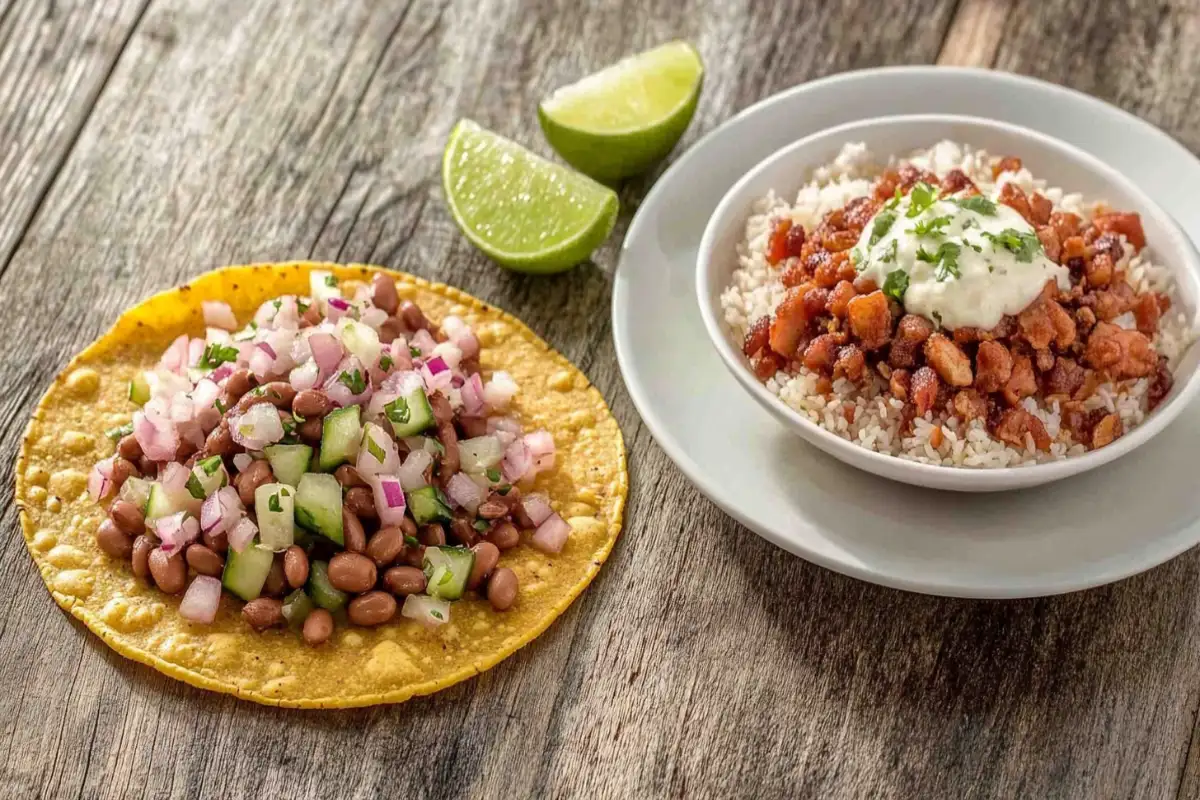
(204, 560)
(122, 470)
(114, 541)
(352, 532)
(385, 546)
(254, 476)
(464, 531)
(217, 542)
(433, 535)
(128, 448)
(372, 608)
(237, 384)
(127, 517)
(312, 404)
(220, 441)
(493, 509)
(505, 536)
(408, 527)
(142, 547)
(352, 572)
(348, 477)
(276, 582)
(384, 293)
(318, 627)
(309, 431)
(295, 566)
(403, 581)
(487, 555)
(361, 503)
(263, 613)
(502, 589)
(412, 316)
(169, 571)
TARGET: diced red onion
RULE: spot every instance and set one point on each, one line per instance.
(537, 507)
(242, 534)
(402, 383)
(260, 363)
(174, 478)
(541, 447)
(389, 498)
(374, 317)
(157, 436)
(319, 285)
(551, 535)
(219, 315)
(339, 392)
(426, 443)
(448, 352)
(504, 424)
(304, 376)
(436, 374)
(518, 461)
(100, 482)
(176, 531)
(429, 611)
(368, 464)
(412, 473)
(221, 373)
(401, 355)
(195, 351)
(242, 461)
(217, 336)
(499, 391)
(201, 600)
(337, 308)
(266, 348)
(463, 337)
(463, 492)
(423, 341)
(472, 396)
(205, 394)
(257, 427)
(175, 358)
(221, 511)
(245, 351)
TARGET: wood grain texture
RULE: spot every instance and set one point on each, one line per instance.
(703, 662)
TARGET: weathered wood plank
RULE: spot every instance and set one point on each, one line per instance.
(974, 36)
(703, 661)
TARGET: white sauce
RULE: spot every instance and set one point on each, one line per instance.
(991, 279)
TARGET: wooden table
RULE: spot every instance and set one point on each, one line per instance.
(143, 141)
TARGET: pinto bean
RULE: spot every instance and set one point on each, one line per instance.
(140, 555)
(352, 572)
(385, 546)
(492, 509)
(318, 627)
(348, 477)
(168, 570)
(246, 482)
(276, 582)
(309, 431)
(403, 581)
(203, 560)
(361, 503)
(352, 532)
(487, 555)
(502, 589)
(263, 612)
(219, 442)
(237, 384)
(504, 535)
(312, 404)
(372, 608)
(114, 541)
(128, 448)
(383, 293)
(412, 316)
(128, 517)
(122, 470)
(295, 566)
(433, 535)
(217, 542)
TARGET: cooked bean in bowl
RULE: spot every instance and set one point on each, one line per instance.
(952, 308)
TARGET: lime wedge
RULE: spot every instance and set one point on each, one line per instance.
(623, 119)
(527, 213)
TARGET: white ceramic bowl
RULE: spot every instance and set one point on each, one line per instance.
(1047, 158)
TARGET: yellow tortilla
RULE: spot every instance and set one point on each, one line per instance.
(358, 666)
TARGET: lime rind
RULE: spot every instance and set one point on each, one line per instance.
(526, 213)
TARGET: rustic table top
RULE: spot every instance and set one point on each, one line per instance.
(143, 141)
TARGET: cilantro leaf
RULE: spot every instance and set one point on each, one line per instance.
(398, 412)
(412, 541)
(891, 205)
(415, 352)
(920, 199)
(930, 227)
(374, 449)
(330, 280)
(945, 259)
(493, 475)
(977, 203)
(889, 255)
(217, 354)
(480, 526)
(896, 284)
(880, 227)
(273, 503)
(385, 362)
(353, 381)
(1023, 245)
(937, 318)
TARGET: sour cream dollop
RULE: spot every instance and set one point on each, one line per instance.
(959, 261)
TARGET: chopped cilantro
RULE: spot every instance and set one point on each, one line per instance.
(945, 259)
(330, 280)
(433, 612)
(930, 227)
(921, 198)
(979, 204)
(856, 257)
(219, 405)
(374, 449)
(412, 541)
(937, 318)
(890, 205)
(503, 489)
(277, 303)
(889, 255)
(299, 418)
(289, 426)
(880, 227)
(415, 352)
(397, 411)
(353, 381)
(493, 475)
(1023, 245)
(896, 284)
(301, 305)
(385, 362)
(480, 525)
(217, 354)
(119, 432)
(273, 503)
(970, 222)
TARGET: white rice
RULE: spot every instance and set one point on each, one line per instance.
(861, 413)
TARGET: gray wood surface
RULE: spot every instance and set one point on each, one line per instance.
(144, 141)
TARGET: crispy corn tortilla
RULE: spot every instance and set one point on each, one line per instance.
(358, 666)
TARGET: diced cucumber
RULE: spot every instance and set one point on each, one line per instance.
(296, 608)
(322, 591)
(480, 454)
(246, 572)
(207, 476)
(274, 504)
(139, 389)
(158, 503)
(288, 461)
(136, 491)
(341, 432)
(120, 432)
(410, 414)
(428, 504)
(447, 570)
(319, 505)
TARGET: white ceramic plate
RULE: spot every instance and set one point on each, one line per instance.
(1050, 159)
(1084, 531)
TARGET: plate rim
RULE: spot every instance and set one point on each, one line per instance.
(1008, 589)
